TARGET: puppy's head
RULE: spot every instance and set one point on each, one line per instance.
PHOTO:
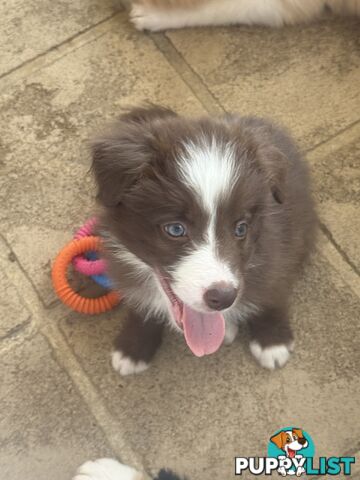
(189, 198)
(291, 441)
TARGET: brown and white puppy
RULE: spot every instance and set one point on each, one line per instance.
(166, 14)
(205, 223)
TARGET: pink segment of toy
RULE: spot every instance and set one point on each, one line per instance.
(80, 262)
(87, 229)
(89, 267)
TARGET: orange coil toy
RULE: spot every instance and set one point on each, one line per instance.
(62, 287)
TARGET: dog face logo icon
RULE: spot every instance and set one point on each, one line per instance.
(290, 441)
(291, 451)
(291, 446)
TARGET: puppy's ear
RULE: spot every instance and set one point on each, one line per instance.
(279, 440)
(121, 155)
(274, 165)
(298, 432)
(146, 113)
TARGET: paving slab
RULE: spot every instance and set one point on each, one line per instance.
(306, 77)
(336, 172)
(45, 187)
(14, 313)
(29, 28)
(46, 430)
(195, 414)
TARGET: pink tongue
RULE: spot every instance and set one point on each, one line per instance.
(204, 332)
(291, 453)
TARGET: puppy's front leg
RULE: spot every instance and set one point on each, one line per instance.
(272, 340)
(136, 344)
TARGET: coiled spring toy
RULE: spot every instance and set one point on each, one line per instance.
(83, 253)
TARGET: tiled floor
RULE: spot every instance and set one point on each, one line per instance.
(65, 68)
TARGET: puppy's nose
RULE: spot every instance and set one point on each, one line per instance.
(220, 296)
(302, 440)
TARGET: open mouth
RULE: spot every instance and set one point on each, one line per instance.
(204, 332)
(291, 453)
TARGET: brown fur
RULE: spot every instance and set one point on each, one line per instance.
(139, 188)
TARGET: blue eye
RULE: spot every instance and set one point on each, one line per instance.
(241, 229)
(175, 230)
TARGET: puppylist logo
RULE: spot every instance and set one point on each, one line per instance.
(291, 451)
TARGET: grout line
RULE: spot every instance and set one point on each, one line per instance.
(68, 361)
(332, 137)
(14, 259)
(14, 331)
(187, 74)
(327, 250)
(322, 149)
(109, 424)
(59, 50)
(341, 252)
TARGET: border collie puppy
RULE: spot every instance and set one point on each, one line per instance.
(109, 469)
(165, 14)
(205, 223)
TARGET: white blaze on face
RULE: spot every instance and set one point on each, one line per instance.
(209, 169)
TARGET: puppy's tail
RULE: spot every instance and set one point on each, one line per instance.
(344, 7)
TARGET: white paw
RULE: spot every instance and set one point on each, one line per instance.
(300, 471)
(147, 18)
(106, 469)
(271, 357)
(231, 330)
(125, 365)
(282, 471)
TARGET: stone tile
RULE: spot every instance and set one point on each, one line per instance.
(336, 173)
(46, 430)
(36, 247)
(45, 186)
(14, 314)
(306, 77)
(28, 28)
(195, 415)
(343, 221)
